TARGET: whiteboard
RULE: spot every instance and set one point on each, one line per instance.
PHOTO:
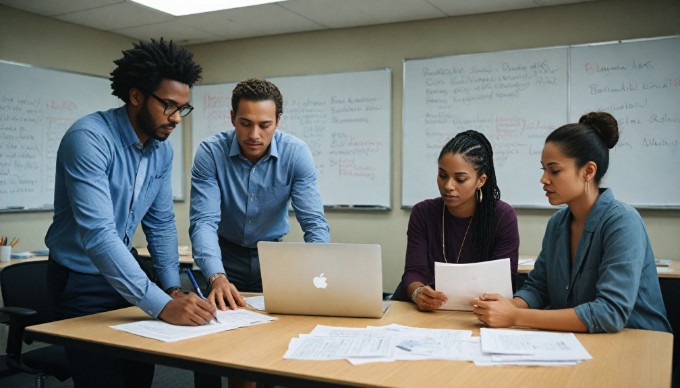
(515, 98)
(639, 83)
(37, 106)
(344, 118)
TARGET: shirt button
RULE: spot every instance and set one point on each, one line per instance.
(250, 222)
(253, 170)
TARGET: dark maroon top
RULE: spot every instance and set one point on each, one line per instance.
(424, 245)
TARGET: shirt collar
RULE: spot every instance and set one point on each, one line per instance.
(600, 207)
(273, 151)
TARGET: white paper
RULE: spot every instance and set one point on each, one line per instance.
(166, 332)
(463, 282)
(256, 302)
(516, 345)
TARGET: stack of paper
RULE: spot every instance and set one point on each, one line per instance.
(162, 331)
(517, 347)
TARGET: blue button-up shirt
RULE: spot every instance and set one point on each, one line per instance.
(247, 202)
(96, 211)
(613, 282)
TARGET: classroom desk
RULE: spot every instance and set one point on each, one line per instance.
(631, 358)
(184, 260)
(16, 261)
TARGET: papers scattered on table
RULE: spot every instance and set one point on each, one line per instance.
(463, 282)
(162, 331)
(256, 302)
(397, 342)
(526, 262)
(663, 262)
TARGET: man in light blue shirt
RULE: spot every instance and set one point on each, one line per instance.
(241, 183)
(113, 172)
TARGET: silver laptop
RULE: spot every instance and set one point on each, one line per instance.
(342, 280)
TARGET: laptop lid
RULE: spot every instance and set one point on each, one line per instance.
(322, 279)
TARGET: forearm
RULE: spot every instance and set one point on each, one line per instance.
(559, 320)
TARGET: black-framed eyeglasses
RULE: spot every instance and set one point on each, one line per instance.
(170, 109)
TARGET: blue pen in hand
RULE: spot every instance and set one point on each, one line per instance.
(196, 287)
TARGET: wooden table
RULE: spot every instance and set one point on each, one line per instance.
(632, 358)
(184, 259)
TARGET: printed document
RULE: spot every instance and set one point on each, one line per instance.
(464, 282)
(522, 345)
(166, 332)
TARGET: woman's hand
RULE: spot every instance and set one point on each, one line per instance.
(427, 299)
(494, 310)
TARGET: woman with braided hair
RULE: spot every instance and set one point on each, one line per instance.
(468, 223)
(596, 270)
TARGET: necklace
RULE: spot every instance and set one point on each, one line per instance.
(444, 241)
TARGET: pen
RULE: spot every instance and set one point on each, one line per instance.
(198, 289)
(14, 242)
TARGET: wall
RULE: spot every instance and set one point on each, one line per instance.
(34, 39)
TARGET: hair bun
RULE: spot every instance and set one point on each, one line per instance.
(604, 125)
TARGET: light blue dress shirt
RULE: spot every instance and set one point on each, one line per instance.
(247, 202)
(96, 213)
(613, 282)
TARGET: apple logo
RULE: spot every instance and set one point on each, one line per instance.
(320, 281)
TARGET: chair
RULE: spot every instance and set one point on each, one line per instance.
(26, 302)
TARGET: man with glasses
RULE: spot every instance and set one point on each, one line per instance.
(113, 172)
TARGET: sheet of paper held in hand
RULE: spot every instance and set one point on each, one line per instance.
(464, 282)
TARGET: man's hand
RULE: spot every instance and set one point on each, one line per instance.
(223, 291)
(188, 310)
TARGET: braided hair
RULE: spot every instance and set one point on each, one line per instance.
(474, 147)
(145, 65)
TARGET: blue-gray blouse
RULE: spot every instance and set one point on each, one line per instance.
(613, 283)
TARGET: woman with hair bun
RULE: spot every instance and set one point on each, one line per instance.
(596, 270)
(468, 223)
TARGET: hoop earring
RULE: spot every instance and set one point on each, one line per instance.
(480, 195)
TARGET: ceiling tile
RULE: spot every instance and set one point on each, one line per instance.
(178, 32)
(468, 7)
(392, 11)
(57, 7)
(330, 13)
(117, 16)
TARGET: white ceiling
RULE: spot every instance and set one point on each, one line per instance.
(136, 21)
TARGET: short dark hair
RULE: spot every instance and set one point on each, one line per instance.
(475, 148)
(146, 64)
(588, 140)
(254, 89)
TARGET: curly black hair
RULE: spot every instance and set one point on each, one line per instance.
(254, 89)
(145, 65)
